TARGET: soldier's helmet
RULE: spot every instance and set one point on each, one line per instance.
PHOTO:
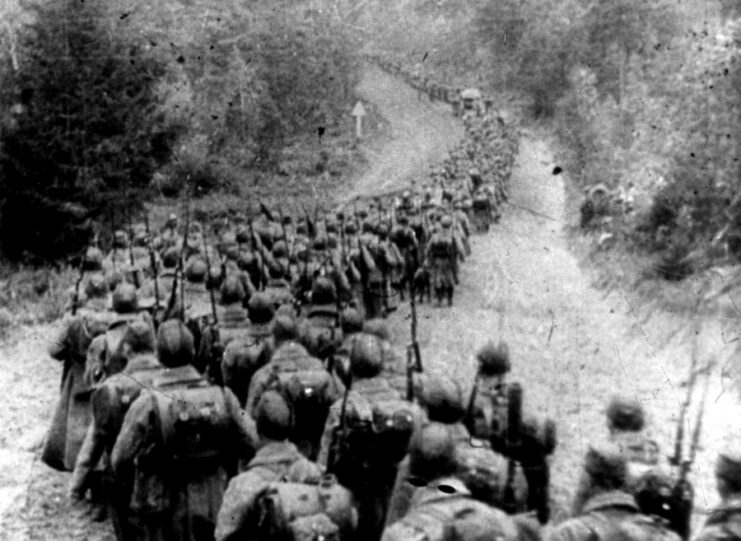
(139, 336)
(119, 239)
(175, 345)
(606, 465)
(232, 290)
(114, 279)
(323, 291)
(280, 249)
(284, 329)
(93, 259)
(214, 277)
(494, 359)
(96, 287)
(351, 228)
(243, 234)
(196, 270)
(320, 243)
(442, 397)
(273, 416)
(728, 465)
(351, 321)
(124, 299)
(260, 308)
(625, 414)
(170, 258)
(431, 454)
(378, 327)
(446, 221)
(366, 355)
(141, 239)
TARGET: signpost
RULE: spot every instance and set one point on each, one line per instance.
(358, 112)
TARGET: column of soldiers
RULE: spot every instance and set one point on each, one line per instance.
(236, 380)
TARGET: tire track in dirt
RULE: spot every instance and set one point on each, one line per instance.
(572, 346)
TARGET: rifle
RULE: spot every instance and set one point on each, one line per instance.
(115, 250)
(179, 270)
(679, 509)
(339, 437)
(215, 352)
(676, 459)
(256, 243)
(152, 263)
(78, 282)
(414, 357)
(513, 442)
(134, 270)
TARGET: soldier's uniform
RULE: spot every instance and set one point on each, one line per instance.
(603, 510)
(110, 402)
(244, 356)
(277, 460)
(369, 478)
(442, 255)
(178, 442)
(724, 522)
(72, 415)
(302, 379)
(441, 506)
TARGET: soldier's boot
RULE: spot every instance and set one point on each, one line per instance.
(450, 296)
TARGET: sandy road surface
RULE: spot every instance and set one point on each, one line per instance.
(421, 134)
(572, 347)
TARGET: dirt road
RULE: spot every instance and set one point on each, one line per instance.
(572, 347)
(421, 134)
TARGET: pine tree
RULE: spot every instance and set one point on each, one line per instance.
(87, 135)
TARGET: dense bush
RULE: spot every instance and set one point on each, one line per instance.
(105, 102)
(85, 133)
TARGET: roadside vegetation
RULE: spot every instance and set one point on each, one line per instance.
(107, 104)
(642, 97)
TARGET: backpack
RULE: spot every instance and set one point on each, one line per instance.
(298, 512)
(456, 518)
(635, 527)
(441, 247)
(241, 359)
(376, 441)
(309, 392)
(320, 340)
(193, 424)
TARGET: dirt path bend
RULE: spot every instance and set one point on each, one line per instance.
(572, 347)
(421, 134)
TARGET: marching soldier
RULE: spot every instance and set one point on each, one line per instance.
(277, 460)
(724, 522)
(178, 442)
(442, 255)
(603, 510)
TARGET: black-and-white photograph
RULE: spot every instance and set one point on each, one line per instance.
(370, 270)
